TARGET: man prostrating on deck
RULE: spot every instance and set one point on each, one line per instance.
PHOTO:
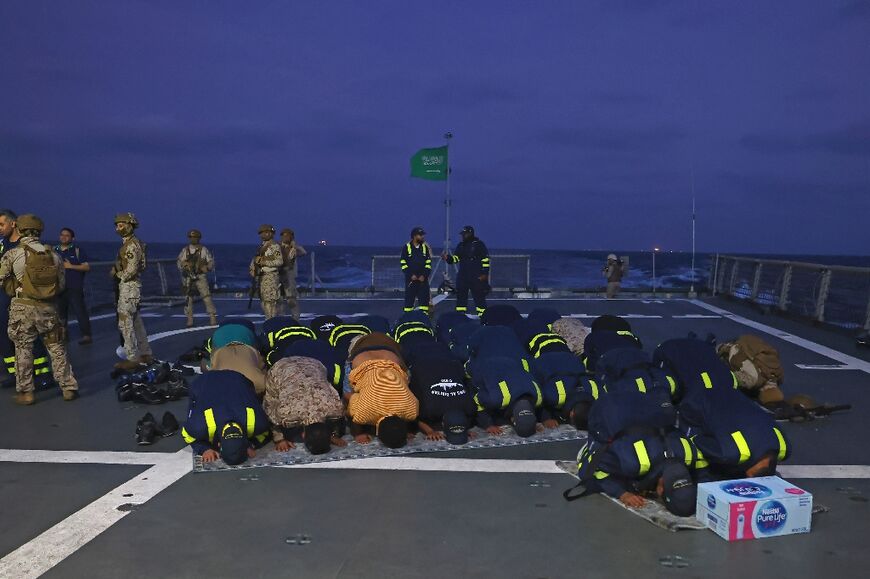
(225, 418)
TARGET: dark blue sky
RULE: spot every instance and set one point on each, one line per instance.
(576, 124)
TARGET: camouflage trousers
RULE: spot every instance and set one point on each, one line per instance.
(291, 296)
(270, 293)
(129, 322)
(27, 321)
(613, 289)
(201, 285)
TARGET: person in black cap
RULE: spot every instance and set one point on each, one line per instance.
(438, 383)
(225, 418)
(473, 258)
(416, 263)
(506, 393)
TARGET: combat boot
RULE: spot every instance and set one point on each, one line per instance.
(70, 395)
(146, 359)
(189, 323)
(24, 398)
(127, 365)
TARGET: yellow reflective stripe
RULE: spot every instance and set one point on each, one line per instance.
(11, 370)
(271, 336)
(336, 377)
(409, 248)
(505, 394)
(741, 446)
(250, 421)
(210, 423)
(547, 343)
(687, 451)
(673, 384)
(411, 330)
(624, 333)
(641, 385)
(477, 401)
(41, 360)
(782, 446)
(187, 437)
(540, 397)
(734, 379)
(600, 474)
(706, 379)
(560, 390)
(261, 438)
(642, 457)
(594, 389)
(9, 360)
(461, 309)
(525, 364)
(39, 371)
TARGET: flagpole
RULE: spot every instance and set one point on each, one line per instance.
(447, 136)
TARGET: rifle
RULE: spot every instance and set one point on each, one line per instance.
(255, 283)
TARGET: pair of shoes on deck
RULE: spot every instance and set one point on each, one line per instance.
(147, 428)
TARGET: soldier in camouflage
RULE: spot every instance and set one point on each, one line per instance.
(264, 269)
(291, 251)
(194, 262)
(32, 273)
(129, 265)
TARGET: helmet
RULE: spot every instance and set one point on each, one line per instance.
(288, 231)
(29, 221)
(266, 227)
(194, 233)
(126, 218)
(467, 229)
(418, 231)
(611, 257)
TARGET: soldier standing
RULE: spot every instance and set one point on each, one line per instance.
(129, 265)
(290, 250)
(34, 276)
(194, 263)
(264, 269)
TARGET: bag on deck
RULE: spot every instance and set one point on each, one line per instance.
(760, 354)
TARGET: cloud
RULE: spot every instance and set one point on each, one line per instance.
(851, 140)
(611, 139)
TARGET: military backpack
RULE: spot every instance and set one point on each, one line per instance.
(40, 279)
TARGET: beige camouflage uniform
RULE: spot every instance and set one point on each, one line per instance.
(194, 262)
(573, 331)
(128, 266)
(291, 251)
(298, 394)
(267, 262)
(30, 318)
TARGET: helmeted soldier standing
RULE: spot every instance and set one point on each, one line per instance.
(290, 251)
(33, 274)
(264, 269)
(194, 263)
(129, 265)
(473, 258)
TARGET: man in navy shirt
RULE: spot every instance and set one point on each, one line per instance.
(75, 263)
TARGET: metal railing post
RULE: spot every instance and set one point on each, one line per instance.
(824, 287)
(164, 286)
(733, 277)
(714, 279)
(313, 275)
(786, 287)
(373, 272)
(756, 280)
(529, 272)
(867, 317)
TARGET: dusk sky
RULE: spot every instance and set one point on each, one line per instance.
(577, 124)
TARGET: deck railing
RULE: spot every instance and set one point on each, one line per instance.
(834, 294)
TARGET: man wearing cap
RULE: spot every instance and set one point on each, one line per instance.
(613, 273)
(290, 251)
(128, 267)
(34, 273)
(264, 269)
(194, 262)
(506, 394)
(224, 418)
(473, 258)
(416, 264)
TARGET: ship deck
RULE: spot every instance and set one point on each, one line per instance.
(81, 499)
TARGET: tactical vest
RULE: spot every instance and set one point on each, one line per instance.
(121, 262)
(40, 280)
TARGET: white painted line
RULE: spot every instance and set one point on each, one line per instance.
(168, 333)
(824, 367)
(83, 457)
(438, 465)
(696, 317)
(855, 363)
(626, 316)
(824, 471)
(40, 554)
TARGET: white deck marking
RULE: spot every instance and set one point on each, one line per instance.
(83, 457)
(627, 316)
(438, 465)
(824, 367)
(696, 317)
(824, 471)
(854, 363)
(45, 551)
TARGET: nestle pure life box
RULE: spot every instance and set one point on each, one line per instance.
(754, 508)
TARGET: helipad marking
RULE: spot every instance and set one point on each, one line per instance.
(824, 367)
(854, 363)
(40, 554)
(83, 457)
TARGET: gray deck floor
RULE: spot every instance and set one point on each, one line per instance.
(415, 524)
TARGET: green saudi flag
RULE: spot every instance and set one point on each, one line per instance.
(430, 164)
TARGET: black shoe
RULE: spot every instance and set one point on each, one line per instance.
(148, 394)
(177, 390)
(125, 392)
(146, 430)
(169, 425)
